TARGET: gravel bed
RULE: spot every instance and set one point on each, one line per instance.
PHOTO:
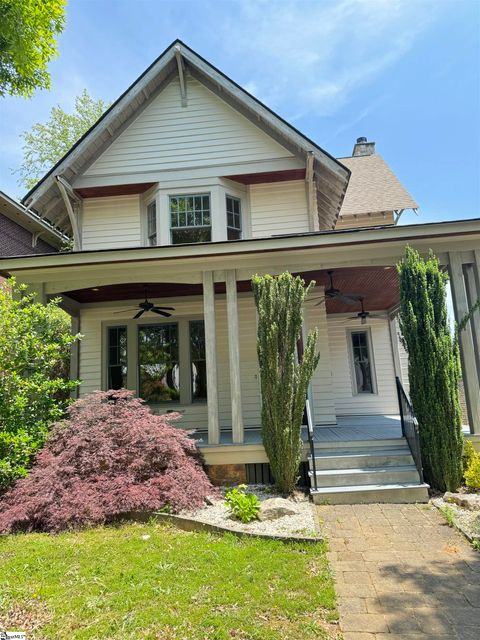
(300, 524)
(465, 520)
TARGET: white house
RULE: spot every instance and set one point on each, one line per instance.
(184, 189)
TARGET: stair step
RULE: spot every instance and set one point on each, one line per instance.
(365, 476)
(361, 459)
(368, 445)
(400, 493)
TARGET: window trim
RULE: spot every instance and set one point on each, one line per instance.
(183, 323)
(240, 215)
(368, 332)
(146, 224)
(194, 226)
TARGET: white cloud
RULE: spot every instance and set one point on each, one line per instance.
(311, 56)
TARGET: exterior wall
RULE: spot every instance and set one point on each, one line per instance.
(17, 241)
(278, 207)
(168, 136)
(93, 319)
(346, 401)
(111, 222)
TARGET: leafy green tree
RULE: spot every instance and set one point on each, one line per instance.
(47, 142)
(433, 367)
(28, 30)
(284, 377)
(35, 344)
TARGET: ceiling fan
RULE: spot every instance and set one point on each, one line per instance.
(364, 315)
(146, 305)
(332, 293)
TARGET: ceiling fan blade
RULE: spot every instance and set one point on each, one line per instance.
(125, 310)
(140, 313)
(164, 308)
(347, 299)
(160, 312)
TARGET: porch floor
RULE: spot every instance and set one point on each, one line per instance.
(375, 427)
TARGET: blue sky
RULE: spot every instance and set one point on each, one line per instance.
(403, 73)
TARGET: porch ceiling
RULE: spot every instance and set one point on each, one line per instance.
(378, 286)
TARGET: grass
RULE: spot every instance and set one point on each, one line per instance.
(449, 514)
(153, 581)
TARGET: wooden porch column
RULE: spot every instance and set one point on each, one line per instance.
(211, 357)
(467, 354)
(473, 294)
(234, 356)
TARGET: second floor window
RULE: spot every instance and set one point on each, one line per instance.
(190, 219)
(152, 224)
(234, 218)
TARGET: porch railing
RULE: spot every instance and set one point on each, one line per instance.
(410, 430)
(313, 470)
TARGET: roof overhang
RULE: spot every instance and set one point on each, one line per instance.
(30, 221)
(296, 253)
(331, 177)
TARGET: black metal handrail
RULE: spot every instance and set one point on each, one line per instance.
(410, 430)
(311, 443)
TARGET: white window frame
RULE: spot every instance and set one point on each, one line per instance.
(240, 215)
(184, 359)
(367, 331)
(194, 226)
(147, 223)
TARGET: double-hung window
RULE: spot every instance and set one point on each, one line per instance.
(362, 362)
(152, 224)
(234, 218)
(190, 219)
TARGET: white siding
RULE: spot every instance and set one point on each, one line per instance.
(168, 136)
(111, 223)
(346, 401)
(278, 207)
(323, 405)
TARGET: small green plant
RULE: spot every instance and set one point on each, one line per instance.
(243, 505)
(472, 466)
(449, 514)
(476, 544)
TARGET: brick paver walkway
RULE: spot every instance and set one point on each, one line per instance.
(401, 573)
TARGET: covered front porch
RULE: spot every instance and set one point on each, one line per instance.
(208, 283)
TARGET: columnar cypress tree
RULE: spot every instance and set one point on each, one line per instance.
(433, 368)
(284, 377)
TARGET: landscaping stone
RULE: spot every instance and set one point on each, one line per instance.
(470, 501)
(275, 508)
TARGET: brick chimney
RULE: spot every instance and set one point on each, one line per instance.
(363, 148)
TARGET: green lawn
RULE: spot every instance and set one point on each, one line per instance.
(153, 581)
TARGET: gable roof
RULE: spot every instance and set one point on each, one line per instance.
(17, 212)
(331, 176)
(373, 187)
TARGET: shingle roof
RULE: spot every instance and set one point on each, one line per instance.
(373, 187)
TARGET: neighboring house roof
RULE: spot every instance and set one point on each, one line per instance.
(40, 237)
(373, 187)
(331, 177)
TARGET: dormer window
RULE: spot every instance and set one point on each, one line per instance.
(234, 218)
(190, 219)
(152, 224)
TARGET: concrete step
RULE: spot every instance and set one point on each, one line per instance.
(365, 476)
(354, 458)
(359, 445)
(400, 493)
